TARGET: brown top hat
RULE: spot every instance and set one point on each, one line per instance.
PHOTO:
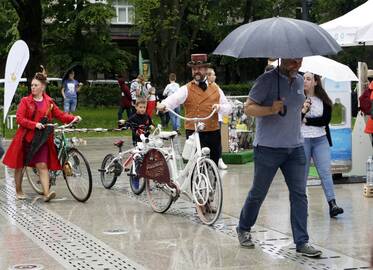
(198, 60)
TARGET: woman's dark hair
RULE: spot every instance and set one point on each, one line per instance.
(40, 77)
(320, 92)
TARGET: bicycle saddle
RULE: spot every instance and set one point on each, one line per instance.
(119, 143)
(167, 134)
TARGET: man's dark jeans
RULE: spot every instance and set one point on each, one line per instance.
(292, 162)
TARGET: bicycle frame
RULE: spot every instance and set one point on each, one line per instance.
(62, 149)
(135, 153)
(187, 173)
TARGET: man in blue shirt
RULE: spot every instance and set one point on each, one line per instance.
(278, 144)
(70, 88)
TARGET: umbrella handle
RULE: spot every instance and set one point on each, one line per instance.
(284, 111)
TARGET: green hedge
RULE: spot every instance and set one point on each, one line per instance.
(104, 95)
(88, 96)
(237, 89)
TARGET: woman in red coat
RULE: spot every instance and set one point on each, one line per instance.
(30, 111)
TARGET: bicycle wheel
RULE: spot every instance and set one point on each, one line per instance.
(109, 171)
(32, 175)
(159, 196)
(137, 184)
(207, 191)
(77, 174)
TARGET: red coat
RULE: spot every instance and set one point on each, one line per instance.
(14, 157)
(125, 100)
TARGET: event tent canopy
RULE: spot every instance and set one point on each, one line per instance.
(354, 28)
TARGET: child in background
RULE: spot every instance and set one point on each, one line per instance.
(152, 102)
(170, 89)
(140, 121)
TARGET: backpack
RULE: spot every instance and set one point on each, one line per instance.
(365, 102)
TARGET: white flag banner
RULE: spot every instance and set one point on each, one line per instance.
(15, 65)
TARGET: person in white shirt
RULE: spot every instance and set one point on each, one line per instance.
(199, 99)
(171, 89)
(211, 78)
(140, 88)
(316, 115)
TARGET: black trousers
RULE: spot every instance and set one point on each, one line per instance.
(210, 139)
(165, 118)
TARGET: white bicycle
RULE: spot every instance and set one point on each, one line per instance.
(199, 181)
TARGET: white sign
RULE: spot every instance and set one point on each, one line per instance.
(15, 65)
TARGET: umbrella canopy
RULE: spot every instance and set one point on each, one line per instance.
(328, 68)
(345, 29)
(278, 37)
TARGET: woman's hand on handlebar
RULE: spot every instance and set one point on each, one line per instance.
(77, 119)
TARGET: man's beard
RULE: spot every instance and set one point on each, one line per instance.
(289, 72)
(198, 77)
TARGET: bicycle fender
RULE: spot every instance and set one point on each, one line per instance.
(154, 166)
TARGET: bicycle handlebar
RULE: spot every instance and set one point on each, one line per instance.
(195, 119)
(64, 126)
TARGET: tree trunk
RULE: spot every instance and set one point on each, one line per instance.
(29, 27)
(248, 11)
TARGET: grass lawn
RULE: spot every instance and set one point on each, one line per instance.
(106, 117)
(100, 117)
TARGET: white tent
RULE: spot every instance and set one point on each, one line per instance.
(365, 34)
(348, 30)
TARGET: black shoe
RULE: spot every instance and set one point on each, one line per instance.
(334, 209)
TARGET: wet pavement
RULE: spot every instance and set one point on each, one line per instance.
(66, 234)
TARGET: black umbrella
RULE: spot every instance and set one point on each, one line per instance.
(78, 70)
(278, 37)
(40, 137)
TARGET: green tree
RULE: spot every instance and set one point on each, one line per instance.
(8, 26)
(168, 31)
(29, 29)
(62, 33)
(171, 29)
(78, 32)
